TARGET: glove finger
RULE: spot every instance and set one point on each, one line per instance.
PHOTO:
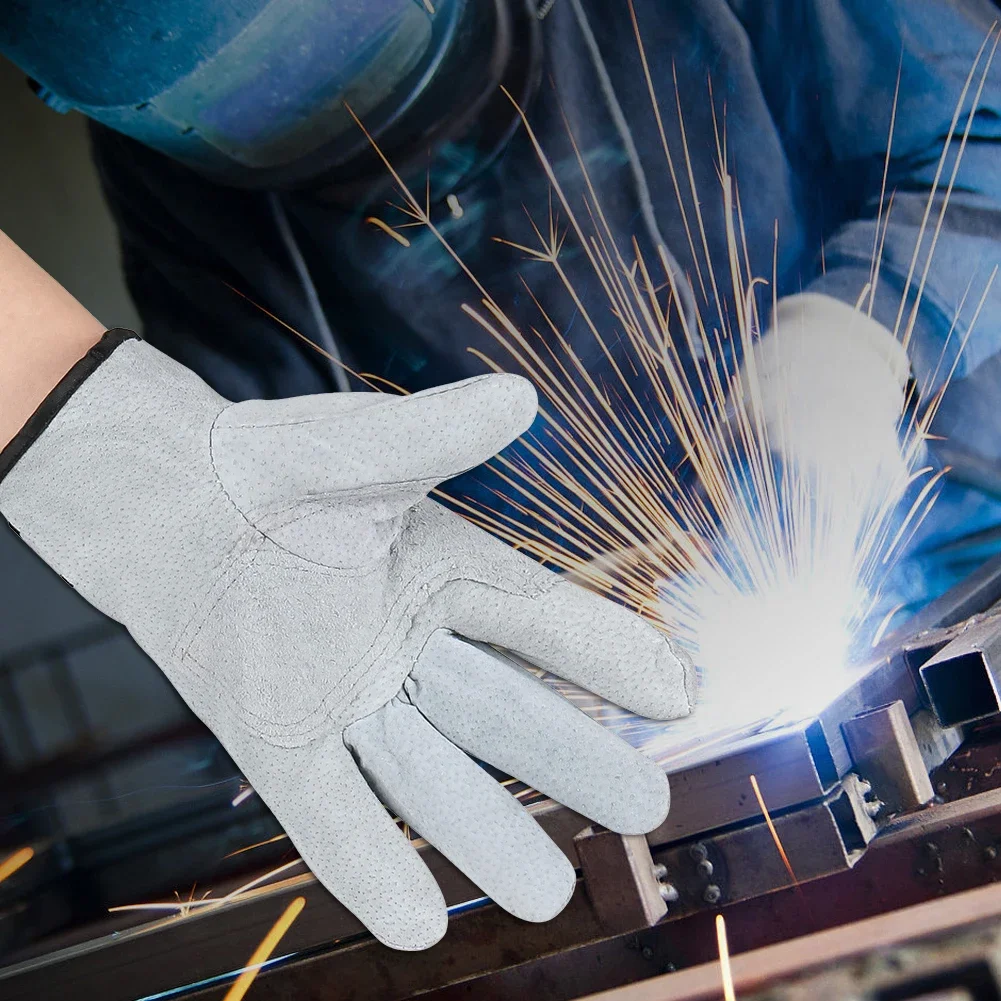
(453, 803)
(585, 639)
(501, 714)
(349, 841)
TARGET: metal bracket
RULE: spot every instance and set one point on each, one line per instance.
(627, 889)
(963, 679)
(885, 752)
(937, 743)
(855, 812)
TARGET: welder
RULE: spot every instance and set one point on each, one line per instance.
(265, 533)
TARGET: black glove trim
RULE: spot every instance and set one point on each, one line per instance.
(57, 399)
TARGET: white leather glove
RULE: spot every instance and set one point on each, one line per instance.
(281, 563)
(832, 386)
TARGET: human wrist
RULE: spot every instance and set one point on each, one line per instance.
(44, 331)
(58, 396)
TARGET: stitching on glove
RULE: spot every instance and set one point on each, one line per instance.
(215, 471)
(401, 696)
(535, 583)
(362, 570)
(410, 593)
(254, 722)
(375, 491)
(309, 727)
(320, 569)
(425, 394)
(315, 514)
(203, 617)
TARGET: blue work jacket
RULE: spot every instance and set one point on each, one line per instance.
(799, 94)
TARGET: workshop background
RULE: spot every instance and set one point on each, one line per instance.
(93, 740)
(126, 797)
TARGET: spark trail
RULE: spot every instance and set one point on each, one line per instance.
(765, 571)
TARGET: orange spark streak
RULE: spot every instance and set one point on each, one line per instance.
(614, 511)
(772, 831)
(263, 951)
(257, 844)
(302, 337)
(401, 240)
(242, 795)
(724, 960)
(10, 865)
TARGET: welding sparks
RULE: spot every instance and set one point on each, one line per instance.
(724, 960)
(765, 570)
(12, 863)
(771, 830)
(244, 794)
(263, 952)
(182, 908)
(388, 230)
(256, 844)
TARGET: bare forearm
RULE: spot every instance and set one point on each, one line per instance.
(43, 332)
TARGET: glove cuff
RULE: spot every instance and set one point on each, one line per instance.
(814, 315)
(60, 396)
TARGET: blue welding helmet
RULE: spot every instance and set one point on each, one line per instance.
(253, 92)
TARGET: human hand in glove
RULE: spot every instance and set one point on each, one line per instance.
(281, 562)
(832, 383)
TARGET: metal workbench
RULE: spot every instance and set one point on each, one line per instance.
(864, 796)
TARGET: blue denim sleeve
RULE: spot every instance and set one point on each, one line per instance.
(832, 95)
(838, 89)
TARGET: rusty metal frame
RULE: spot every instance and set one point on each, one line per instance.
(764, 967)
(804, 773)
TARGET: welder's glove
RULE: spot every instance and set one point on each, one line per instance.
(832, 384)
(282, 564)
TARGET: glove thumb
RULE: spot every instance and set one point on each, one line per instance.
(350, 447)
